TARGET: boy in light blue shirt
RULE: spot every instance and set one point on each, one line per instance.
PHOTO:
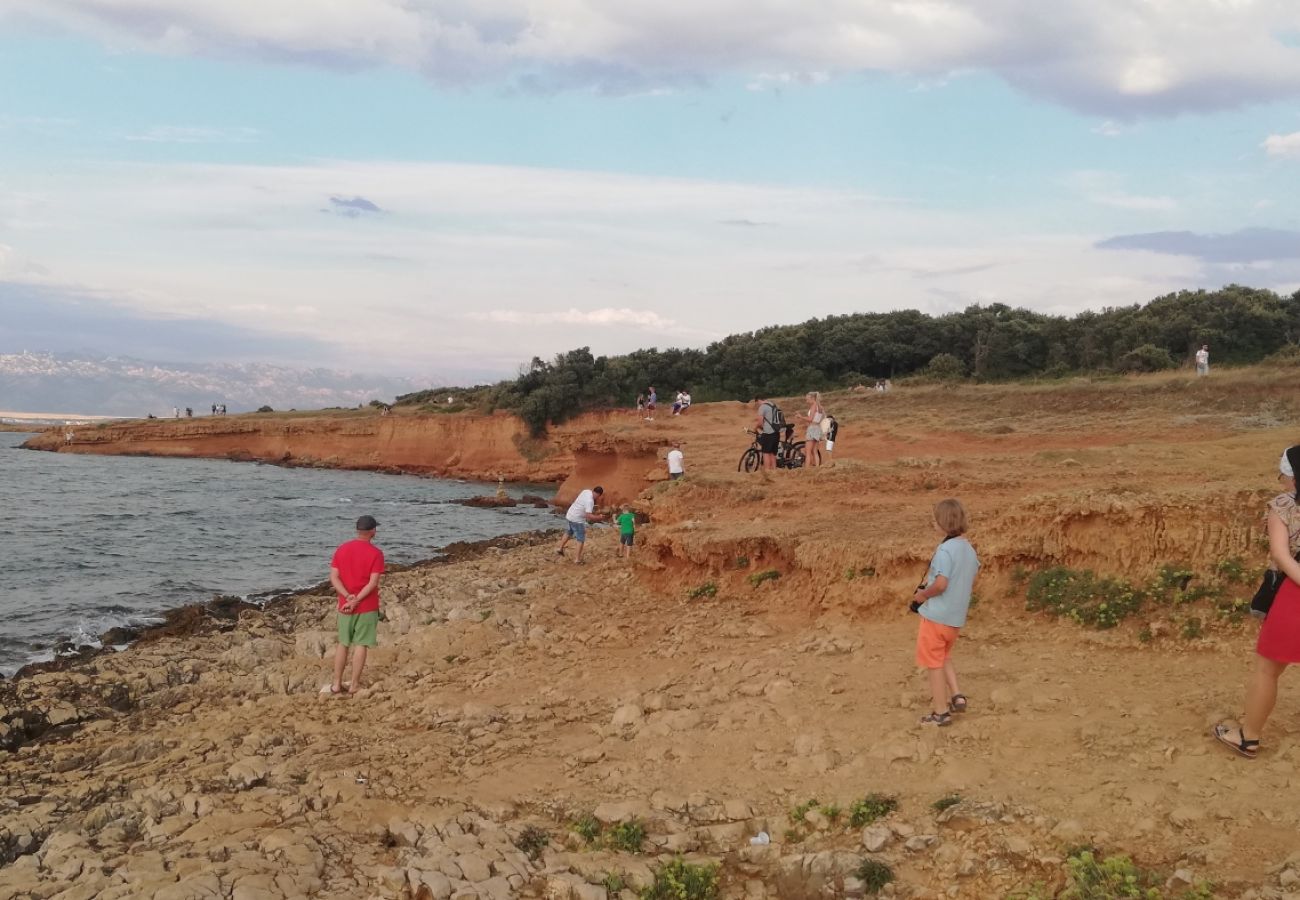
(942, 602)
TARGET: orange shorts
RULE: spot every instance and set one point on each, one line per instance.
(934, 643)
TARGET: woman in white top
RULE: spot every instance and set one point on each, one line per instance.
(812, 450)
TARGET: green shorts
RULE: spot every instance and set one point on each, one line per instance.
(359, 630)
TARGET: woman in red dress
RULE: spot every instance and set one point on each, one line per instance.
(1279, 637)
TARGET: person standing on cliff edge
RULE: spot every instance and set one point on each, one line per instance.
(582, 511)
(355, 571)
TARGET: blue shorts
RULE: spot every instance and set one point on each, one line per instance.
(578, 531)
(627, 539)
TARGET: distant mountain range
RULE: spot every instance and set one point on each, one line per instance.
(120, 386)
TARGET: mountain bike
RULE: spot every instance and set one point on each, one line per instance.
(789, 454)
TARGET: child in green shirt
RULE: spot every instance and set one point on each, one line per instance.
(626, 532)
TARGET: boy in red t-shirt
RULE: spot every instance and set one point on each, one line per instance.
(354, 572)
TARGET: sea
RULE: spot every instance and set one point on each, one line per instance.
(92, 542)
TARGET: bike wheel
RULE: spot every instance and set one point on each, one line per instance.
(795, 456)
(749, 461)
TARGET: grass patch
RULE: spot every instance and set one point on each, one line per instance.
(627, 836)
(831, 811)
(1082, 597)
(586, 827)
(532, 841)
(945, 802)
(708, 589)
(874, 875)
(870, 808)
(798, 812)
(766, 575)
(742, 562)
(680, 880)
(614, 882)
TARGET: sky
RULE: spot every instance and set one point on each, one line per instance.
(447, 188)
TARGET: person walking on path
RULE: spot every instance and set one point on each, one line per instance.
(1203, 360)
(581, 511)
(676, 461)
(813, 436)
(768, 431)
(1278, 645)
(626, 532)
(942, 602)
(355, 571)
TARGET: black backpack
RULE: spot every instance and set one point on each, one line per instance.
(777, 419)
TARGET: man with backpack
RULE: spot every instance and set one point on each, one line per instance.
(768, 426)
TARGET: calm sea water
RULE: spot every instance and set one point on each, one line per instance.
(91, 542)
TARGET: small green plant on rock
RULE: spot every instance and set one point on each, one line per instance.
(831, 811)
(798, 812)
(532, 841)
(627, 836)
(708, 589)
(870, 808)
(614, 882)
(680, 880)
(1090, 877)
(766, 575)
(587, 827)
(945, 802)
(874, 875)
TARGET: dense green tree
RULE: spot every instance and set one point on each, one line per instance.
(992, 342)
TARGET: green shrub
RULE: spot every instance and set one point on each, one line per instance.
(1232, 570)
(680, 880)
(586, 827)
(708, 589)
(742, 562)
(944, 367)
(1146, 358)
(874, 875)
(1117, 878)
(532, 841)
(767, 575)
(870, 808)
(614, 882)
(1083, 597)
(627, 836)
(945, 802)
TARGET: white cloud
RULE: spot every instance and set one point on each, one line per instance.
(636, 318)
(1118, 57)
(1285, 145)
(479, 267)
(191, 134)
(1108, 129)
(1106, 189)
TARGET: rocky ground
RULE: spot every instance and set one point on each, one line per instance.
(532, 728)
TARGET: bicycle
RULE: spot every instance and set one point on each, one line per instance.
(789, 454)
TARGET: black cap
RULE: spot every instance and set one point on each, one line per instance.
(367, 523)
(598, 490)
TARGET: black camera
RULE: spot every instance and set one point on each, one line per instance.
(914, 606)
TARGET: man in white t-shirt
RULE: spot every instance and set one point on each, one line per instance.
(581, 511)
(676, 461)
(1203, 360)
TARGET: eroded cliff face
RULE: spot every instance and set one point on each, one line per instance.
(462, 446)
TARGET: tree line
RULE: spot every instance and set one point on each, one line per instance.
(984, 343)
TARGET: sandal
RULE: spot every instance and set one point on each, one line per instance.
(1239, 745)
(937, 719)
(957, 704)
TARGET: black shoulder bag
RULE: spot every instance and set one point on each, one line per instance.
(1271, 583)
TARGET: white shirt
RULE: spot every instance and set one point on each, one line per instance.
(585, 503)
(675, 458)
(1202, 357)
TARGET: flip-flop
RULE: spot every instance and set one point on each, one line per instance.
(957, 704)
(942, 720)
(1240, 746)
(329, 689)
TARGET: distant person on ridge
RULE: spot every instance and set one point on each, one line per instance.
(651, 402)
(813, 436)
(942, 601)
(676, 461)
(176, 413)
(640, 404)
(769, 436)
(214, 409)
(581, 511)
(355, 571)
(1203, 360)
